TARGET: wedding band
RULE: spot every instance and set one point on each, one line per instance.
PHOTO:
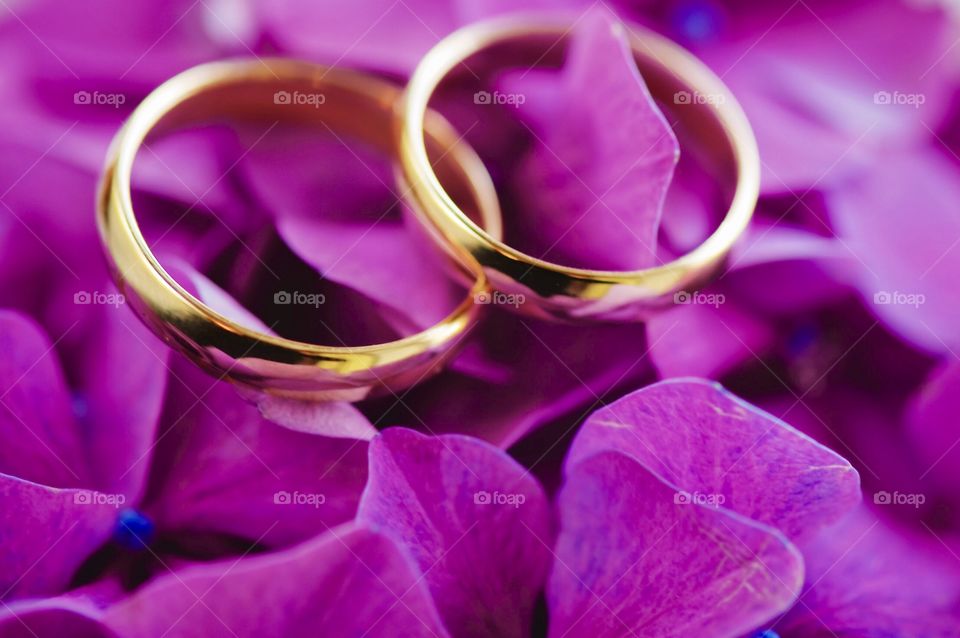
(353, 103)
(551, 290)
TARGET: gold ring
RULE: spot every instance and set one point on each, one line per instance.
(355, 103)
(550, 290)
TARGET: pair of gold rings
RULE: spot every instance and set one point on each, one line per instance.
(400, 124)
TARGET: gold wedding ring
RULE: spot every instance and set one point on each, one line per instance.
(550, 290)
(356, 104)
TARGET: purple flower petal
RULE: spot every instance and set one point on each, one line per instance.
(121, 370)
(349, 582)
(704, 340)
(41, 439)
(587, 184)
(909, 261)
(820, 70)
(334, 419)
(386, 35)
(516, 375)
(51, 618)
(784, 270)
(476, 524)
(337, 208)
(866, 578)
(54, 532)
(631, 560)
(220, 466)
(934, 429)
(192, 167)
(214, 296)
(146, 45)
(699, 437)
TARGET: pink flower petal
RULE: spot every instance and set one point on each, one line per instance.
(51, 618)
(348, 582)
(474, 521)
(41, 439)
(587, 183)
(933, 427)
(867, 578)
(909, 262)
(704, 440)
(518, 375)
(633, 561)
(221, 467)
(54, 533)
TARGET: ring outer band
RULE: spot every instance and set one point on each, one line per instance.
(228, 349)
(552, 291)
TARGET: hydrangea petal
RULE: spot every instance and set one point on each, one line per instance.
(821, 71)
(474, 521)
(41, 439)
(703, 439)
(865, 578)
(220, 466)
(385, 35)
(592, 193)
(521, 374)
(337, 208)
(335, 419)
(218, 299)
(348, 582)
(704, 340)
(51, 619)
(632, 560)
(783, 270)
(147, 44)
(909, 262)
(121, 371)
(47, 533)
(934, 428)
